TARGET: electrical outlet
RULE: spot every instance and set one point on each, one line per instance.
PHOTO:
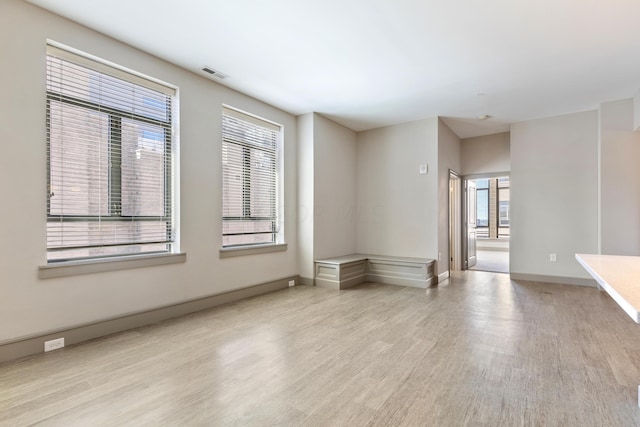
(54, 344)
(292, 283)
(552, 257)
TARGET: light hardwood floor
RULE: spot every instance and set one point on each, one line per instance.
(495, 261)
(477, 350)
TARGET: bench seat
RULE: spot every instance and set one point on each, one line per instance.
(345, 271)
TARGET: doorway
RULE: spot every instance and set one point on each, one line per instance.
(488, 202)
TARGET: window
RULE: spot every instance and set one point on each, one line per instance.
(503, 206)
(109, 157)
(492, 204)
(482, 210)
(250, 164)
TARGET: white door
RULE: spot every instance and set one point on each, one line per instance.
(471, 211)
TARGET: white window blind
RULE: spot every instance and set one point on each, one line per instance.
(109, 157)
(250, 158)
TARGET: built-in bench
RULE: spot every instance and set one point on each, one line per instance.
(345, 271)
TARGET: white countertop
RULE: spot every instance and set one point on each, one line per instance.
(619, 276)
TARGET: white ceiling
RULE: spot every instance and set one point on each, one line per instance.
(370, 63)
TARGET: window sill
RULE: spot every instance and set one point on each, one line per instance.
(99, 265)
(252, 250)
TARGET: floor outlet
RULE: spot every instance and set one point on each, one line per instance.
(53, 344)
(292, 283)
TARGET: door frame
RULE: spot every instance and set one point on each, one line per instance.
(455, 221)
(474, 177)
(467, 261)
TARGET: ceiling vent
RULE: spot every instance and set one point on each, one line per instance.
(214, 73)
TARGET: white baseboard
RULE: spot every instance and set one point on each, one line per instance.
(443, 276)
(577, 281)
(34, 344)
(305, 281)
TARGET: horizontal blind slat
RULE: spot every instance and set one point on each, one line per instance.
(249, 171)
(110, 160)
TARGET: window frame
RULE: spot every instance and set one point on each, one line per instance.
(482, 230)
(504, 230)
(276, 242)
(115, 118)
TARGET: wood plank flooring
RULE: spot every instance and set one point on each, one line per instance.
(478, 350)
(492, 260)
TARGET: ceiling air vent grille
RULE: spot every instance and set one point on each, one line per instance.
(214, 73)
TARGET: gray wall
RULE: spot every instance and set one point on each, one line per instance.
(619, 179)
(31, 306)
(636, 110)
(486, 154)
(554, 194)
(448, 158)
(326, 191)
(305, 196)
(397, 207)
(335, 189)
(554, 178)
